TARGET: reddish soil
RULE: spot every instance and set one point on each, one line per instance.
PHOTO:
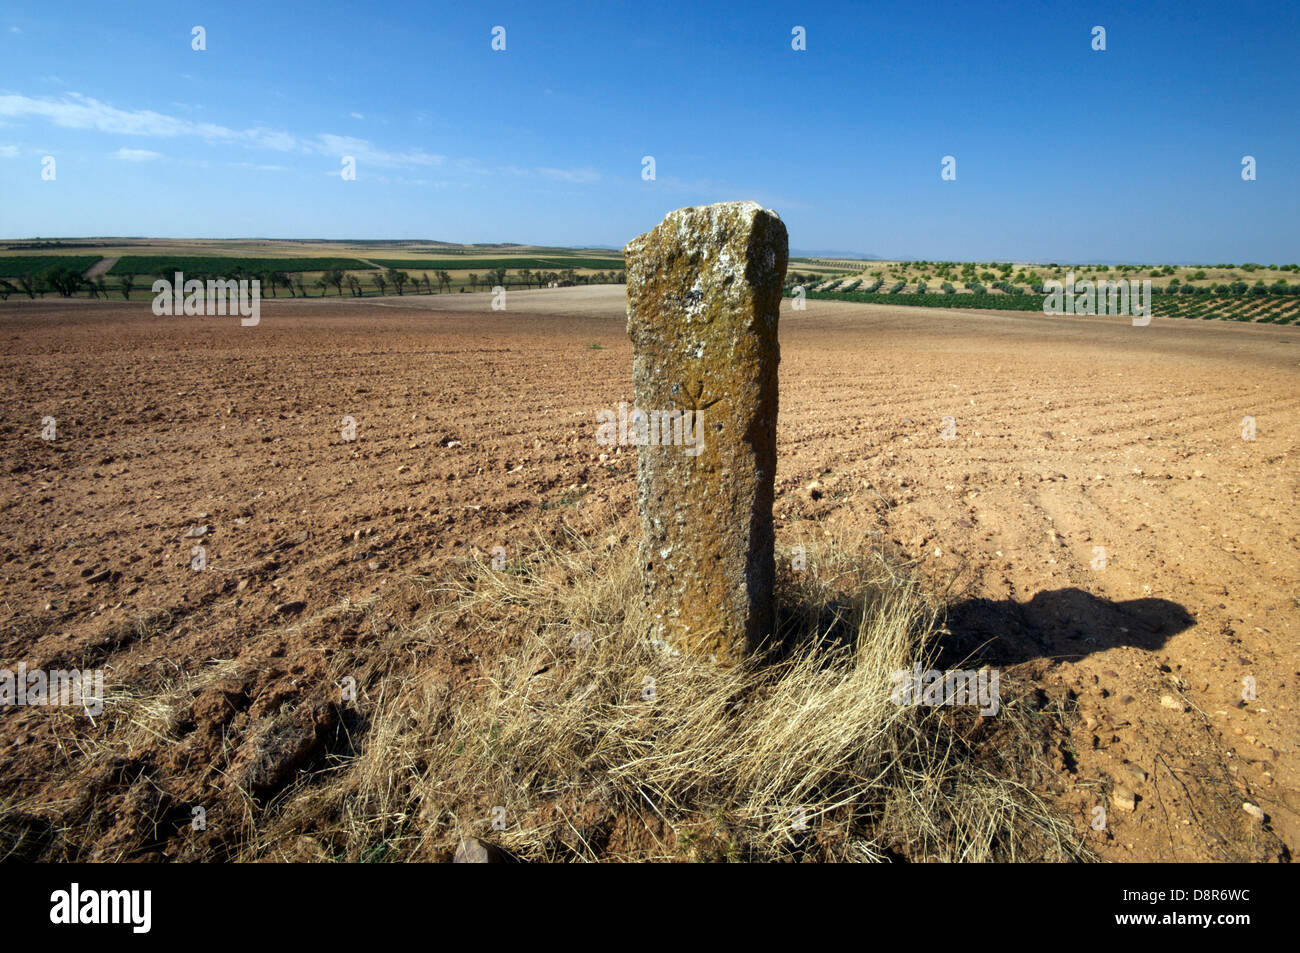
(474, 428)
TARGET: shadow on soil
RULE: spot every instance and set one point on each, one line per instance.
(1055, 624)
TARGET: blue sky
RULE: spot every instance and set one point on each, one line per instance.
(1062, 153)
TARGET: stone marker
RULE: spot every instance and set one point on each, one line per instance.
(703, 299)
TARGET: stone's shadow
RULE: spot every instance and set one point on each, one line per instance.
(1056, 624)
(1059, 624)
(800, 622)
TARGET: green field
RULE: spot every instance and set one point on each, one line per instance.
(222, 265)
(486, 264)
(928, 300)
(14, 266)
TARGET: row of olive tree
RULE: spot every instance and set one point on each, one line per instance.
(568, 278)
(65, 281)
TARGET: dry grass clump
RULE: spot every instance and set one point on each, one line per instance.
(591, 743)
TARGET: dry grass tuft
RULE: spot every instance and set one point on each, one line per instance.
(590, 743)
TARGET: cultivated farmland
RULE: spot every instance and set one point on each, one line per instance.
(14, 266)
(225, 265)
(989, 453)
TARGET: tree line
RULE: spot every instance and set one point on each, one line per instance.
(67, 282)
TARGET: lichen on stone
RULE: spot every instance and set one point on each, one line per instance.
(704, 298)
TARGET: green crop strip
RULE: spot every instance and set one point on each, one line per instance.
(225, 266)
(484, 264)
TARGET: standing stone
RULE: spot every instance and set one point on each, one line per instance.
(703, 299)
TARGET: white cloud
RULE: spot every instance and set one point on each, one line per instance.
(363, 151)
(136, 155)
(8, 152)
(356, 115)
(75, 111)
(14, 29)
(584, 174)
(259, 166)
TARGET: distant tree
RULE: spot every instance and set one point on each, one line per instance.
(282, 277)
(269, 282)
(444, 280)
(473, 281)
(301, 290)
(397, 279)
(336, 277)
(101, 286)
(322, 284)
(64, 280)
(28, 284)
(354, 286)
(380, 281)
(500, 275)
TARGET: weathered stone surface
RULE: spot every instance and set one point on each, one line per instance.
(704, 297)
